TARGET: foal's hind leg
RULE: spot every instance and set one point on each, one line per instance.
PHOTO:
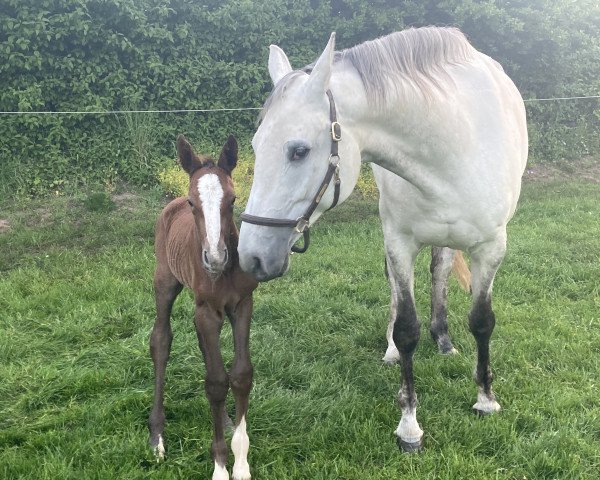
(216, 383)
(441, 266)
(166, 289)
(485, 262)
(240, 378)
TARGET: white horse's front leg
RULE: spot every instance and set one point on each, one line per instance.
(401, 253)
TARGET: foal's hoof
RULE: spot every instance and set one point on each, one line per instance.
(410, 447)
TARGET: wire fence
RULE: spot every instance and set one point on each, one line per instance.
(211, 110)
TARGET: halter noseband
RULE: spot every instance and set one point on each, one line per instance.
(301, 224)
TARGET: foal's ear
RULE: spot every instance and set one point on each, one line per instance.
(187, 157)
(229, 155)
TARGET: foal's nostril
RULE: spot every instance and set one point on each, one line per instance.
(205, 258)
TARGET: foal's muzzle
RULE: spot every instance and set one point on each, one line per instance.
(215, 264)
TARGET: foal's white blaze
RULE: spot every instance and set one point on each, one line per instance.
(220, 472)
(240, 443)
(211, 195)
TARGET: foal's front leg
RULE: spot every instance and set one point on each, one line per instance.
(240, 378)
(216, 383)
(166, 289)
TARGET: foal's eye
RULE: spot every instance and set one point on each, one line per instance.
(190, 203)
(299, 153)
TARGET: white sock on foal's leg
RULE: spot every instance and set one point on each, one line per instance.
(240, 444)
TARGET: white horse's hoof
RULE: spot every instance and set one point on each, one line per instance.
(392, 355)
(159, 450)
(410, 447)
(452, 351)
(486, 405)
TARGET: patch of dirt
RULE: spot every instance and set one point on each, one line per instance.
(38, 217)
(126, 201)
(4, 226)
(583, 169)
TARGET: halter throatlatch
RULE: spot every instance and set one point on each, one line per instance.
(302, 223)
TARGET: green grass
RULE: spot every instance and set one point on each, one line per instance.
(76, 309)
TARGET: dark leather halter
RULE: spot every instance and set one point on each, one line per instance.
(301, 224)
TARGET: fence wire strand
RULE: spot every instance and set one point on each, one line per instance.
(216, 110)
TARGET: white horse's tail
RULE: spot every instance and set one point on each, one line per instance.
(461, 270)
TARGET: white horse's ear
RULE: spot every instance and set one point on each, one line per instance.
(279, 65)
(321, 73)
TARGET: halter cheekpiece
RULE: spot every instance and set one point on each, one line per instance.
(301, 224)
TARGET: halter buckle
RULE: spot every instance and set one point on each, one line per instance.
(302, 225)
(336, 131)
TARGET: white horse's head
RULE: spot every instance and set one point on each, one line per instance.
(292, 147)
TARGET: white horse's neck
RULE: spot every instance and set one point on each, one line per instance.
(412, 138)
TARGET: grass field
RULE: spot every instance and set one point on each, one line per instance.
(76, 309)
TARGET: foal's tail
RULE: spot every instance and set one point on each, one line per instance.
(461, 270)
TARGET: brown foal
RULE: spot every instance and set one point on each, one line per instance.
(196, 247)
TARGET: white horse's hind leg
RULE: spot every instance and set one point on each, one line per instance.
(392, 355)
(441, 266)
(486, 259)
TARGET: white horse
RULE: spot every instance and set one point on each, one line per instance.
(445, 130)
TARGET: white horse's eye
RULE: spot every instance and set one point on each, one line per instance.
(299, 153)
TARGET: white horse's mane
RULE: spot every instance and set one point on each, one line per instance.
(415, 60)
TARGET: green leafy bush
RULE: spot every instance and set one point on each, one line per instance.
(108, 55)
